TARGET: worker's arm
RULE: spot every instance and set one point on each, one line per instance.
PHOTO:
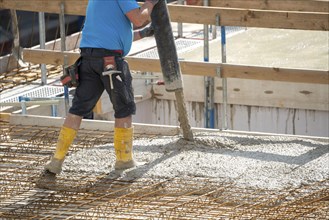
(141, 16)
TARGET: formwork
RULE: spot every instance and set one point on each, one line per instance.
(26, 193)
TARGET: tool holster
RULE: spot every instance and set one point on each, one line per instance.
(70, 76)
(120, 79)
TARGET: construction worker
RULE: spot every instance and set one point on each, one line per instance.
(107, 37)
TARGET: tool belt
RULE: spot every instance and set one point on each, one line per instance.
(99, 52)
(70, 76)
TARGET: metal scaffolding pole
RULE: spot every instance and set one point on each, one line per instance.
(63, 48)
(224, 80)
(208, 83)
(180, 25)
(42, 37)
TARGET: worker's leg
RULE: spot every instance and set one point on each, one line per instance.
(123, 143)
(65, 139)
(122, 98)
(86, 96)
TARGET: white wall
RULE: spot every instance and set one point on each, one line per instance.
(240, 117)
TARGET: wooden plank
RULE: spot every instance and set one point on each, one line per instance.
(250, 18)
(102, 125)
(144, 64)
(198, 14)
(78, 7)
(5, 117)
(281, 5)
(49, 56)
(255, 93)
(73, 7)
(275, 74)
(197, 68)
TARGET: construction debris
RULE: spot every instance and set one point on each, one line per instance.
(26, 76)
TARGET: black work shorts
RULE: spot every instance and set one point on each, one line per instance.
(92, 84)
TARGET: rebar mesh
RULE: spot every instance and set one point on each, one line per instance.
(26, 194)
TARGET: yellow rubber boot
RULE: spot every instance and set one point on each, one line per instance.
(65, 139)
(123, 141)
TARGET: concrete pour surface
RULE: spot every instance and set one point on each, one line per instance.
(266, 162)
(269, 162)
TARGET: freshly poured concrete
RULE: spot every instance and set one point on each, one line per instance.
(269, 162)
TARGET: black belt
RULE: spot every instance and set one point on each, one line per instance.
(100, 52)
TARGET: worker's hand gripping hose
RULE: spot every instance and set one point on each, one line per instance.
(147, 31)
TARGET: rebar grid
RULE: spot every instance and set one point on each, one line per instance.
(26, 194)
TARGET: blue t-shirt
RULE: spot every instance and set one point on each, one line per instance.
(107, 26)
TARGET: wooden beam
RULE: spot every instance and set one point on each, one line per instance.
(78, 7)
(280, 5)
(254, 93)
(196, 68)
(250, 18)
(73, 7)
(49, 56)
(4, 117)
(198, 14)
(275, 74)
(100, 125)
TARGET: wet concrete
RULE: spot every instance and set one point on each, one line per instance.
(268, 162)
